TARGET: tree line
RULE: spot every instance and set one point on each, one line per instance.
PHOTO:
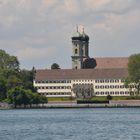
(16, 85)
(133, 79)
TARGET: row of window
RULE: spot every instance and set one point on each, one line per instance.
(96, 81)
(62, 81)
(62, 87)
(114, 86)
(54, 81)
(82, 80)
(57, 93)
(113, 93)
(109, 81)
(111, 86)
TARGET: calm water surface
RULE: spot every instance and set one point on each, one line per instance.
(70, 124)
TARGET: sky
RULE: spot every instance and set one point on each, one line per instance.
(39, 32)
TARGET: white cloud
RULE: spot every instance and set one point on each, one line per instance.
(48, 3)
(72, 6)
(96, 4)
(30, 53)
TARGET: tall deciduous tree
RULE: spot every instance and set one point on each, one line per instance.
(17, 85)
(134, 71)
(27, 79)
(7, 61)
(2, 88)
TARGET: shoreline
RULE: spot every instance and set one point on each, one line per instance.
(73, 107)
(67, 105)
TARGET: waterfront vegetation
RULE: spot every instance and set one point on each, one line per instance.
(133, 78)
(16, 85)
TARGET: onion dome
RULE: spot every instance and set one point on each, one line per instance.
(84, 36)
(77, 35)
(89, 63)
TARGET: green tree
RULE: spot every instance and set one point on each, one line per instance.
(134, 72)
(109, 97)
(2, 89)
(55, 66)
(13, 96)
(7, 61)
(9, 73)
(33, 97)
(17, 83)
(12, 82)
(43, 99)
(20, 96)
(27, 77)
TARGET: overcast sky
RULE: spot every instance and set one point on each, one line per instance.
(39, 32)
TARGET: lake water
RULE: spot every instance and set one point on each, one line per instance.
(70, 124)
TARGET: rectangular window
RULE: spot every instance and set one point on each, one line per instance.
(116, 92)
(106, 86)
(111, 86)
(111, 81)
(122, 86)
(116, 81)
(112, 92)
(126, 92)
(102, 93)
(97, 93)
(122, 80)
(121, 92)
(106, 93)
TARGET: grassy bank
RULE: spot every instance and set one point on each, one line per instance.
(103, 98)
(59, 98)
(96, 98)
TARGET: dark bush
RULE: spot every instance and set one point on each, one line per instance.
(109, 97)
(91, 102)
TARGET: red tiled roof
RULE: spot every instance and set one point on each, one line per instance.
(81, 74)
(111, 62)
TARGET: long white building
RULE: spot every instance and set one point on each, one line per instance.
(62, 82)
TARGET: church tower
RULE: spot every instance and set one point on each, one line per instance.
(80, 44)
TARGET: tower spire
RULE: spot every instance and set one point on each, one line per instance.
(83, 30)
(77, 28)
(80, 48)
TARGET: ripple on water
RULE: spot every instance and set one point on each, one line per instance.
(70, 124)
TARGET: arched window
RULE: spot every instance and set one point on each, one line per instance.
(76, 51)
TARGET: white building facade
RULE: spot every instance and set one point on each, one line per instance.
(60, 83)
